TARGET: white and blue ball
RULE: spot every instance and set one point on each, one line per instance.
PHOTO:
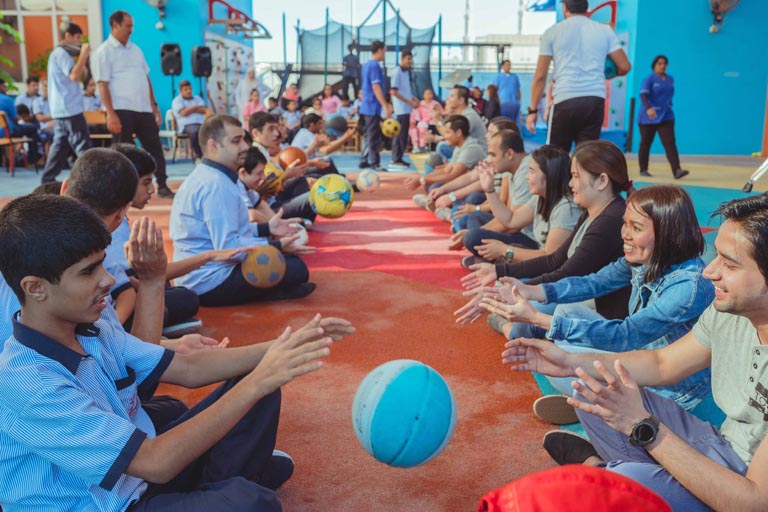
(404, 413)
(368, 180)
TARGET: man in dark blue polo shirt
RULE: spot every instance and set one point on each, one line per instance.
(374, 102)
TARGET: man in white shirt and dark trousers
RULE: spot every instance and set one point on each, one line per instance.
(189, 111)
(578, 46)
(65, 99)
(403, 103)
(121, 73)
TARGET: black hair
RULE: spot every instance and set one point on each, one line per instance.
(459, 123)
(184, 83)
(377, 45)
(510, 139)
(117, 17)
(103, 179)
(141, 159)
(676, 232)
(752, 215)
(555, 163)
(351, 46)
(33, 79)
(577, 6)
(72, 29)
(505, 61)
(463, 92)
(259, 120)
(253, 159)
(49, 187)
(657, 59)
(406, 53)
(22, 110)
(43, 235)
(598, 157)
(213, 128)
(310, 119)
(504, 123)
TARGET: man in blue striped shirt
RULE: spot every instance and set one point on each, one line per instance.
(73, 434)
(209, 213)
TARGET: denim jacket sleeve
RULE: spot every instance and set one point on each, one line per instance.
(608, 279)
(679, 299)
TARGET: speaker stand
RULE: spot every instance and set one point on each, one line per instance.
(202, 92)
(173, 88)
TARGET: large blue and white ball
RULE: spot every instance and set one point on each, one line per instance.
(367, 181)
(404, 413)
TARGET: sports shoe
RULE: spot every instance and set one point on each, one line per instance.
(645, 174)
(681, 173)
(443, 214)
(190, 326)
(297, 292)
(468, 261)
(555, 409)
(164, 191)
(567, 447)
(421, 200)
(399, 165)
(307, 223)
(379, 168)
(365, 165)
(278, 471)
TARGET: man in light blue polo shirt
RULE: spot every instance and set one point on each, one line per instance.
(66, 102)
(73, 433)
(374, 103)
(403, 103)
(509, 91)
(209, 213)
(189, 111)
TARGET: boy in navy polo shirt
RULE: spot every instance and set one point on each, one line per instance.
(73, 434)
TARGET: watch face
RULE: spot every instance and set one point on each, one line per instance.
(644, 432)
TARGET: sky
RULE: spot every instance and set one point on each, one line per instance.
(486, 17)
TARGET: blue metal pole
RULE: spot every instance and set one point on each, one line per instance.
(325, 66)
(440, 54)
(285, 44)
(384, 31)
(298, 40)
(397, 38)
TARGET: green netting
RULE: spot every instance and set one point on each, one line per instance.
(313, 47)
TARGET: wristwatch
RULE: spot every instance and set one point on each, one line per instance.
(423, 180)
(509, 254)
(645, 431)
(477, 208)
(452, 197)
(532, 111)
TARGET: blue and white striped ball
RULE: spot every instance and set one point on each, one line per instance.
(404, 413)
(367, 181)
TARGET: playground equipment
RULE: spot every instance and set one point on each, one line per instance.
(759, 173)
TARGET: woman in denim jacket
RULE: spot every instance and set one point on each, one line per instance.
(662, 248)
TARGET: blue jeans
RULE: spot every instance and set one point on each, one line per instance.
(445, 151)
(475, 198)
(475, 236)
(635, 463)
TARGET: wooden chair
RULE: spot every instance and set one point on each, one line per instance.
(176, 139)
(9, 142)
(355, 140)
(97, 118)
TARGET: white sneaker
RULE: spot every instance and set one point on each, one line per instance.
(443, 214)
(421, 200)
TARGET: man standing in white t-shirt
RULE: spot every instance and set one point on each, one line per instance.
(578, 46)
(122, 75)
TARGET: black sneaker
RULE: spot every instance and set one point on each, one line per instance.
(165, 192)
(681, 173)
(365, 165)
(379, 168)
(567, 447)
(278, 471)
(645, 174)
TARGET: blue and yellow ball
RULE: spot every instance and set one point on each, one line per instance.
(264, 267)
(331, 196)
(404, 413)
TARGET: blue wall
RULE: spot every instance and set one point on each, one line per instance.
(185, 23)
(720, 79)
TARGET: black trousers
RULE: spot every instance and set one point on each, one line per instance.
(346, 82)
(369, 156)
(400, 143)
(192, 131)
(235, 290)
(666, 131)
(143, 125)
(70, 135)
(575, 120)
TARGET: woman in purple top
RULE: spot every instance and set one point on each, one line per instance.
(656, 115)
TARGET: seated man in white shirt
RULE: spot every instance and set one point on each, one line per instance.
(209, 213)
(312, 139)
(189, 112)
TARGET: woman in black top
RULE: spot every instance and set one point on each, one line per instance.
(492, 106)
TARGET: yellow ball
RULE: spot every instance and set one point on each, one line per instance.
(331, 196)
(390, 128)
(274, 181)
(264, 267)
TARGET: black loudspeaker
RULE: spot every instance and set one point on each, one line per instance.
(170, 59)
(201, 61)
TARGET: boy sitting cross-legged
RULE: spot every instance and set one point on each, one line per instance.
(73, 435)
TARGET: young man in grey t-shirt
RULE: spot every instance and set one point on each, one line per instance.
(689, 462)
